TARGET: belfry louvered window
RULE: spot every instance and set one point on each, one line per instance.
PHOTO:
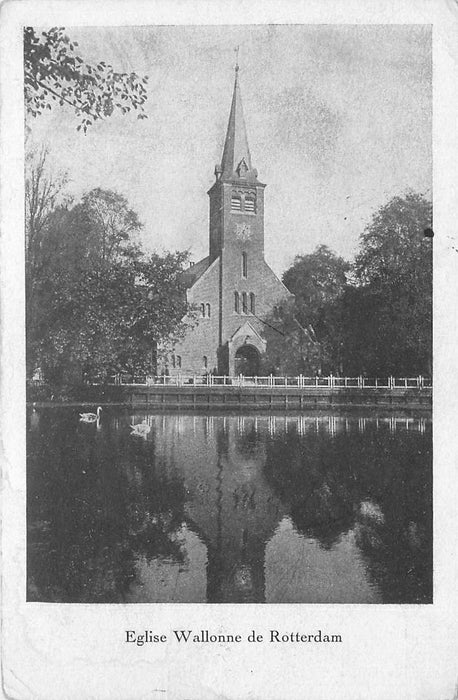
(250, 204)
(236, 202)
(244, 303)
(252, 303)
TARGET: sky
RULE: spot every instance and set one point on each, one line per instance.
(338, 120)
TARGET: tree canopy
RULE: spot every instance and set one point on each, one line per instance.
(389, 313)
(372, 316)
(55, 74)
(95, 301)
(318, 281)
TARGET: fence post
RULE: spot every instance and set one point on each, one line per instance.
(271, 380)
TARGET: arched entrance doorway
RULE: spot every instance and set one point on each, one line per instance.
(246, 361)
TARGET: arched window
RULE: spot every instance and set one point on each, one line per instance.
(179, 361)
(236, 202)
(208, 310)
(173, 361)
(236, 302)
(244, 265)
(202, 310)
(250, 203)
(252, 303)
(205, 361)
(244, 303)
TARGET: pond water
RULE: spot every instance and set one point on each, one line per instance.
(229, 508)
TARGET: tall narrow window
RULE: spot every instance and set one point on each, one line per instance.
(244, 303)
(252, 303)
(173, 361)
(250, 204)
(236, 203)
(244, 265)
(202, 310)
(208, 310)
(205, 360)
(236, 302)
(179, 361)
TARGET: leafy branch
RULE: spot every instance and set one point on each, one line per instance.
(55, 74)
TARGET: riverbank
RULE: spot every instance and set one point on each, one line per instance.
(205, 398)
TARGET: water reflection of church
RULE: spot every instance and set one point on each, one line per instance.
(240, 534)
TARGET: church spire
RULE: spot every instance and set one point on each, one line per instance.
(236, 162)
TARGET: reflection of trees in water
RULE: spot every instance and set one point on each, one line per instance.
(377, 484)
(96, 503)
(248, 441)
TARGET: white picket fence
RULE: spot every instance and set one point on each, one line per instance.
(271, 381)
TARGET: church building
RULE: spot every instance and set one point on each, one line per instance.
(233, 289)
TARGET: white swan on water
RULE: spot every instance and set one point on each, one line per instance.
(91, 417)
(141, 429)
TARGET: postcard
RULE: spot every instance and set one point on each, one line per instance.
(229, 284)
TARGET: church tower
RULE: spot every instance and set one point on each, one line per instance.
(237, 196)
(233, 289)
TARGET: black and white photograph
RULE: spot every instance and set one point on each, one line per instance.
(229, 384)
(228, 371)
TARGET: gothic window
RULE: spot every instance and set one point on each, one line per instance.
(236, 202)
(244, 303)
(244, 265)
(250, 203)
(179, 361)
(252, 303)
(205, 361)
(208, 310)
(236, 302)
(202, 310)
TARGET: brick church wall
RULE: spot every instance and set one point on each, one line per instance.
(202, 339)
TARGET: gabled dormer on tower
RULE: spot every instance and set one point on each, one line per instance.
(237, 197)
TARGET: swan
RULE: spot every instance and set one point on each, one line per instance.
(141, 429)
(91, 417)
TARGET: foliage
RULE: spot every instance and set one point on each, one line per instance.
(318, 281)
(372, 317)
(388, 317)
(54, 73)
(96, 304)
(291, 349)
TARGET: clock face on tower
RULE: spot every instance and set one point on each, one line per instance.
(243, 232)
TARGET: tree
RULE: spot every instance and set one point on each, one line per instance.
(43, 191)
(318, 281)
(388, 316)
(291, 349)
(99, 304)
(54, 73)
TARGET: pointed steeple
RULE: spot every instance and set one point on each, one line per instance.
(236, 162)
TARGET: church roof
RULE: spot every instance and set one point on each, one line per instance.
(194, 271)
(236, 160)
